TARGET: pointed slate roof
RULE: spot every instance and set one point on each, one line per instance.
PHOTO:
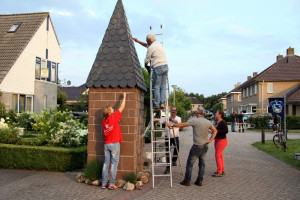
(117, 63)
(13, 44)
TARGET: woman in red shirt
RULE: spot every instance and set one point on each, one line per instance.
(113, 137)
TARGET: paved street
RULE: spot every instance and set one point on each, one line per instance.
(250, 174)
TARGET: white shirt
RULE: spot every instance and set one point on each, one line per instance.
(156, 55)
(176, 129)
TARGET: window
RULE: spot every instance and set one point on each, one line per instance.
(53, 72)
(231, 98)
(28, 103)
(270, 87)
(243, 93)
(255, 89)
(250, 90)
(15, 102)
(46, 53)
(38, 68)
(22, 102)
(44, 70)
(247, 92)
(239, 97)
(45, 101)
(14, 28)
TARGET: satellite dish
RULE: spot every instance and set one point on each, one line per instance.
(68, 82)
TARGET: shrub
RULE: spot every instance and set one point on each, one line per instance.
(132, 178)
(2, 110)
(8, 135)
(25, 120)
(58, 127)
(42, 158)
(93, 170)
(11, 117)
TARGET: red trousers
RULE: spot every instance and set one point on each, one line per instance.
(220, 145)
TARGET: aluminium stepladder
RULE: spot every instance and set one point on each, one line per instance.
(158, 143)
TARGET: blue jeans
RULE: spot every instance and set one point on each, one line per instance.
(160, 75)
(111, 153)
(233, 127)
(196, 152)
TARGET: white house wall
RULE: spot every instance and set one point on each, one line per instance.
(20, 79)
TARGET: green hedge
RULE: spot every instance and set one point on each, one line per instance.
(292, 122)
(42, 158)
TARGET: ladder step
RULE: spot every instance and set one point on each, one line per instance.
(163, 175)
(161, 152)
(161, 164)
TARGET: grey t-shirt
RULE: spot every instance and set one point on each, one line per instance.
(201, 128)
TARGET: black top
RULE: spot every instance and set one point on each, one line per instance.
(222, 130)
(233, 118)
(241, 117)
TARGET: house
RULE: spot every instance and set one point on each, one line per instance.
(223, 100)
(233, 99)
(74, 93)
(280, 79)
(195, 103)
(293, 102)
(29, 58)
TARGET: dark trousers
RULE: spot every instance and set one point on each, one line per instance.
(174, 142)
(196, 152)
(241, 125)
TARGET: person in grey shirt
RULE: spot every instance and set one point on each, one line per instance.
(201, 128)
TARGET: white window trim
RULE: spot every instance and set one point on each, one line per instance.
(250, 90)
(255, 89)
(247, 90)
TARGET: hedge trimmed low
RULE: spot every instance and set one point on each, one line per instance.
(42, 158)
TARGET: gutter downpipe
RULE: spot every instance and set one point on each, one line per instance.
(262, 97)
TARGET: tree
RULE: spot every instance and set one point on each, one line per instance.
(182, 103)
(216, 107)
(61, 99)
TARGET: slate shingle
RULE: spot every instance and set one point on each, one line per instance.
(13, 44)
(117, 63)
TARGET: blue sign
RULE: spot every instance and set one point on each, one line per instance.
(277, 106)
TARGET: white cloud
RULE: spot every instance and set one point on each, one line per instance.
(219, 20)
(60, 13)
(241, 30)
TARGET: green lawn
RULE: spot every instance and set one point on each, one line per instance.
(293, 146)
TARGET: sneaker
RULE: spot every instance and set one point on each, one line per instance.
(199, 183)
(185, 183)
(223, 173)
(217, 175)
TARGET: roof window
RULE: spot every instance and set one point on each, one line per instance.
(14, 27)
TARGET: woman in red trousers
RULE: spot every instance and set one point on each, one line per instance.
(220, 143)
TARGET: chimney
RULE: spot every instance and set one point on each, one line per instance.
(290, 51)
(238, 84)
(248, 78)
(254, 74)
(279, 57)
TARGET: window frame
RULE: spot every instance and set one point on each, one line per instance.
(14, 27)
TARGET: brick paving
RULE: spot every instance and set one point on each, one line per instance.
(250, 174)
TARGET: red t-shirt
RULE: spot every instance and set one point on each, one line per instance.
(111, 128)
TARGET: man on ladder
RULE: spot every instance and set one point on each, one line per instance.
(174, 136)
(157, 58)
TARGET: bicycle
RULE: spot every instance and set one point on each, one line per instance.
(279, 139)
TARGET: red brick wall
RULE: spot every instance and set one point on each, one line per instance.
(131, 124)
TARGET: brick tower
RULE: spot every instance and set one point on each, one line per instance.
(116, 70)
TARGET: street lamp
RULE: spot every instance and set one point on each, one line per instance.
(174, 87)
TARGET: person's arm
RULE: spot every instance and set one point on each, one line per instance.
(123, 103)
(177, 125)
(141, 43)
(213, 134)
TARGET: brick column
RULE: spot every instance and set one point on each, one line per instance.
(131, 124)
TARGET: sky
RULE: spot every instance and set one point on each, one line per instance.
(210, 44)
